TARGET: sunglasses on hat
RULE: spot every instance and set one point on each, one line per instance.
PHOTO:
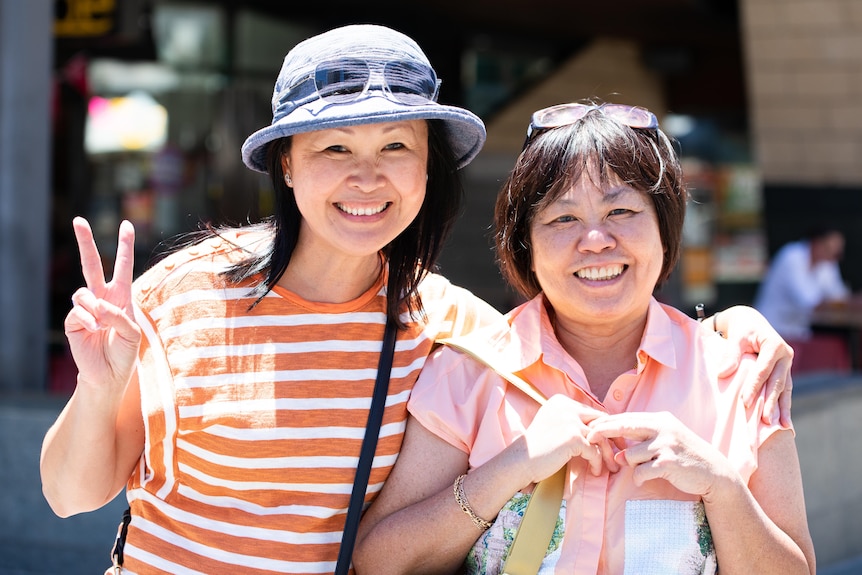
(349, 79)
(567, 114)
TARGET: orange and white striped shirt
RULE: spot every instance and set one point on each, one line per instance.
(255, 418)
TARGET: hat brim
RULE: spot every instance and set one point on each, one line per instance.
(464, 130)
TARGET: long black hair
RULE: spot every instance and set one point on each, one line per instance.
(410, 256)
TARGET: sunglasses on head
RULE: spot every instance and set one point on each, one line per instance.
(566, 114)
(349, 79)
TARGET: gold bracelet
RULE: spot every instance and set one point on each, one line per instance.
(461, 500)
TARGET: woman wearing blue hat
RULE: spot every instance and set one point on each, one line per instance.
(237, 389)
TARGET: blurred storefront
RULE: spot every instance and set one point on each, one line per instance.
(151, 100)
(724, 242)
(154, 99)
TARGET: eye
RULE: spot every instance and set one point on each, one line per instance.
(620, 212)
(564, 219)
(395, 146)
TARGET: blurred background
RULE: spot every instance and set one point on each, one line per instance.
(136, 109)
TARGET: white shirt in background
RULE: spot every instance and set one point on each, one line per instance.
(793, 287)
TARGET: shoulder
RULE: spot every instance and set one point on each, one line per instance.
(454, 389)
(794, 251)
(437, 288)
(453, 310)
(468, 358)
(198, 266)
(702, 348)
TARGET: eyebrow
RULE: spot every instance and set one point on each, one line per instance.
(619, 190)
(608, 196)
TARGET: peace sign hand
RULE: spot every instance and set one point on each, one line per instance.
(103, 336)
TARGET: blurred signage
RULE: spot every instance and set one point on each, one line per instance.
(84, 18)
(134, 123)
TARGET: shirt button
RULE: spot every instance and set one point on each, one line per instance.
(618, 395)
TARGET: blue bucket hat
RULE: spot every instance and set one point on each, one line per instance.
(359, 74)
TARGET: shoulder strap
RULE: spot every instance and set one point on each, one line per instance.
(483, 353)
(540, 517)
(366, 456)
(537, 526)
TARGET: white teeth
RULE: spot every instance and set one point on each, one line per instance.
(362, 211)
(602, 273)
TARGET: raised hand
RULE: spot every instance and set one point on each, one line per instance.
(103, 336)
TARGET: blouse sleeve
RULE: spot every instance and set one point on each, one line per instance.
(445, 399)
(468, 405)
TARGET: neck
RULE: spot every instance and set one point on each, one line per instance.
(330, 280)
(603, 351)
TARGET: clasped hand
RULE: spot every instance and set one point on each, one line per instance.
(655, 445)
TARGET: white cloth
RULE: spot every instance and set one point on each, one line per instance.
(793, 287)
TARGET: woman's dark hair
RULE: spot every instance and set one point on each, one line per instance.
(411, 255)
(555, 159)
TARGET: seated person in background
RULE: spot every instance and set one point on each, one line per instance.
(668, 469)
(803, 276)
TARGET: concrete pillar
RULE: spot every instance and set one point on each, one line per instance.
(26, 48)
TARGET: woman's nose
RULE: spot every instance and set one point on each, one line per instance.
(367, 176)
(596, 238)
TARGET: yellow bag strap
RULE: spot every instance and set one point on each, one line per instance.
(540, 517)
(483, 353)
(537, 526)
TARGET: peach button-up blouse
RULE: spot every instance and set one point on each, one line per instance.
(607, 525)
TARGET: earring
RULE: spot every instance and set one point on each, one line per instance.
(288, 181)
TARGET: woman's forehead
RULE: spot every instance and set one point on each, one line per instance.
(608, 192)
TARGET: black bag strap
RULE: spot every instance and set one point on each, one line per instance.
(366, 456)
(120, 541)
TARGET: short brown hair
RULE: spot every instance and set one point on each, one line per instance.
(555, 159)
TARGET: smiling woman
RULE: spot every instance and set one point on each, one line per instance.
(228, 387)
(667, 470)
(597, 252)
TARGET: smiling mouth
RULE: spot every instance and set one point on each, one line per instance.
(364, 211)
(600, 273)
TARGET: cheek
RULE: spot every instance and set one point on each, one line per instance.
(546, 259)
(655, 252)
(412, 186)
(412, 178)
(413, 196)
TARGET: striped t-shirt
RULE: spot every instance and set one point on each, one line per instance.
(254, 419)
